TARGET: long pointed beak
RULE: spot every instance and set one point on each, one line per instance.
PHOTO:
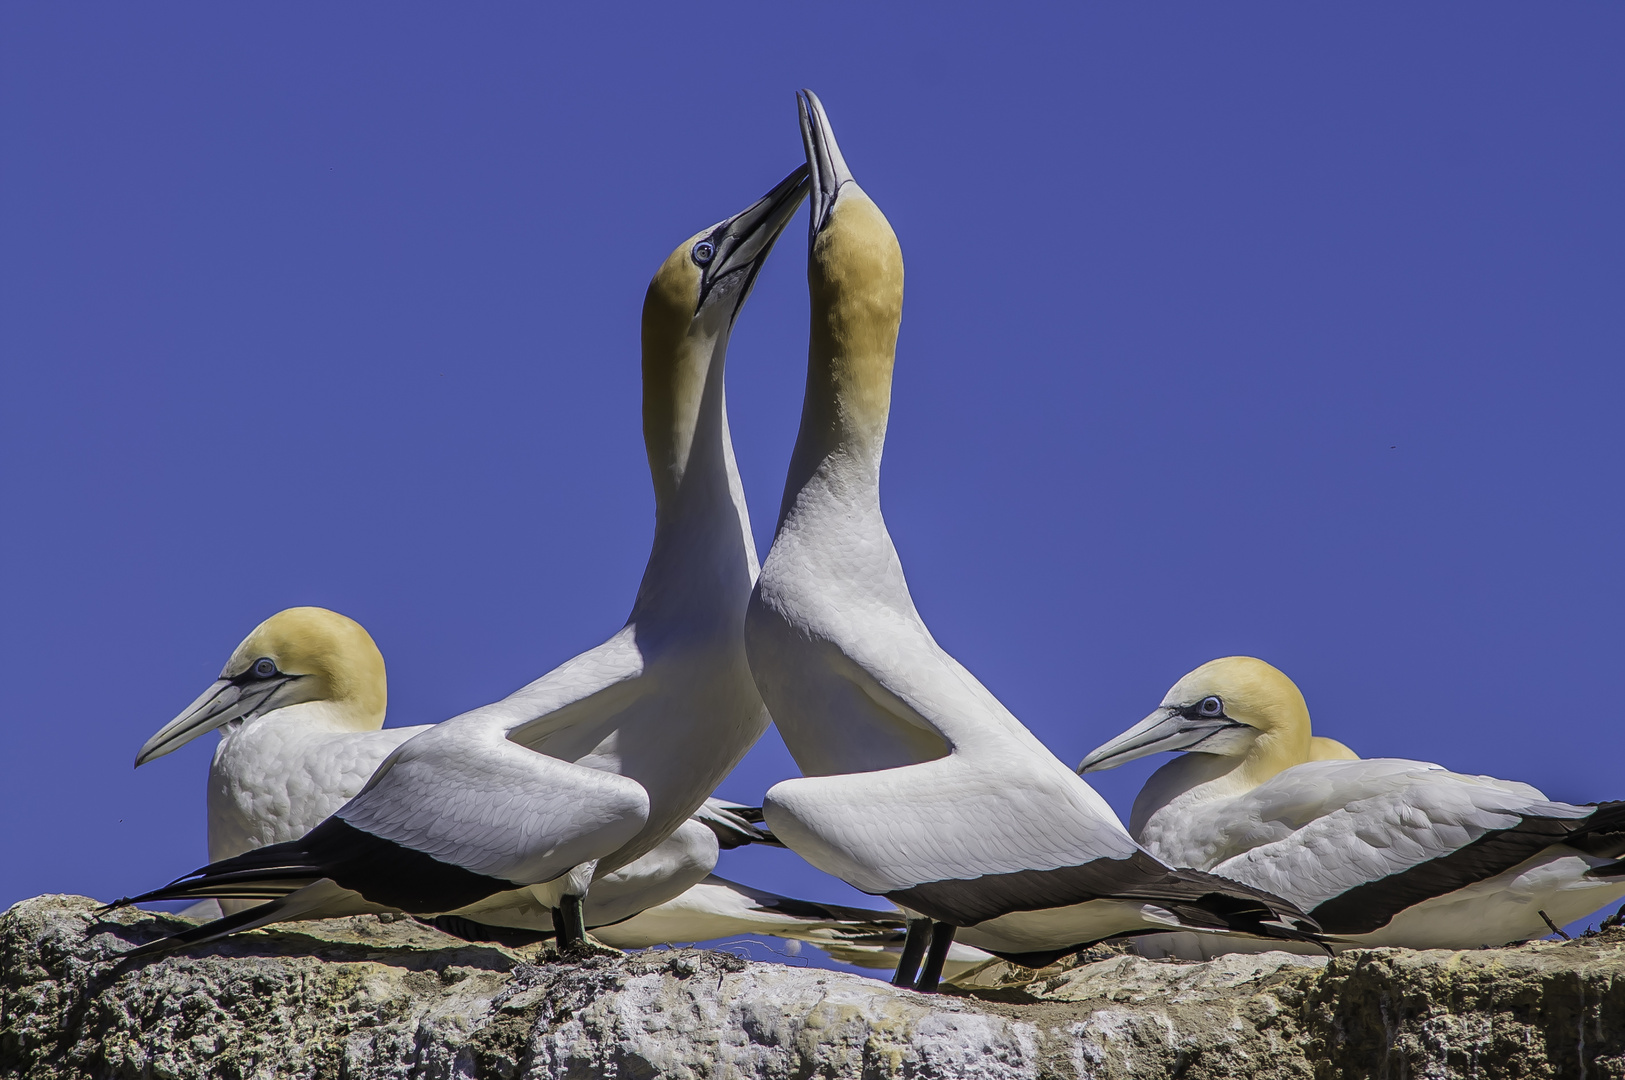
(744, 240)
(824, 158)
(220, 704)
(1165, 729)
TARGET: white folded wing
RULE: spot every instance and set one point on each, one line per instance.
(467, 792)
(998, 803)
(1318, 829)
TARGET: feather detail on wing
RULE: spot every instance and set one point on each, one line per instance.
(587, 688)
(463, 794)
(1355, 842)
(943, 819)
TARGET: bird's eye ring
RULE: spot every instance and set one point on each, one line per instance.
(1211, 706)
(265, 667)
(703, 253)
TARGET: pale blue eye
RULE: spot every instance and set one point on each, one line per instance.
(265, 667)
(703, 253)
(1212, 706)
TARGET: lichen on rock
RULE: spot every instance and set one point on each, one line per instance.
(370, 998)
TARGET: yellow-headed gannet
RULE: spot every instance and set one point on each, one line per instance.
(300, 705)
(597, 762)
(1383, 851)
(919, 785)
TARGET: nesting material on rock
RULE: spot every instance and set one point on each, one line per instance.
(366, 998)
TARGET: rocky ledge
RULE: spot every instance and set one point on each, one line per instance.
(366, 998)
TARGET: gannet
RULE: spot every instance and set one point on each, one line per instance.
(594, 764)
(1383, 851)
(301, 708)
(918, 784)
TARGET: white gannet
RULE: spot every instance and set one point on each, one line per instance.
(919, 785)
(301, 708)
(597, 762)
(1383, 851)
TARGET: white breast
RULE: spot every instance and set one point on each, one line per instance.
(276, 777)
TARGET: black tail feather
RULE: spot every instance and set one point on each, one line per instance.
(1202, 901)
(262, 874)
(385, 873)
(736, 826)
(1234, 906)
(1241, 909)
(209, 931)
(1602, 834)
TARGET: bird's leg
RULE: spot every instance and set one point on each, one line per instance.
(568, 924)
(908, 964)
(942, 937)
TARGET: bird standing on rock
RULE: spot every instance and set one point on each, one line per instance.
(596, 763)
(919, 785)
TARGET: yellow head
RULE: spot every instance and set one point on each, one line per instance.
(300, 655)
(688, 314)
(327, 656)
(1237, 707)
(855, 280)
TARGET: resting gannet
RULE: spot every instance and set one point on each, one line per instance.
(919, 785)
(301, 705)
(1382, 851)
(594, 764)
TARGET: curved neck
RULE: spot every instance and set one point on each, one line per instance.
(703, 557)
(1285, 741)
(1273, 752)
(362, 696)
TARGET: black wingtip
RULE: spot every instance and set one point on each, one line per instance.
(756, 817)
(210, 931)
(736, 826)
(1243, 909)
(175, 890)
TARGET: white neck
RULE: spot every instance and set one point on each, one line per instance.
(1186, 783)
(702, 563)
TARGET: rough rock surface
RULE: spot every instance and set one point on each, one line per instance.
(366, 998)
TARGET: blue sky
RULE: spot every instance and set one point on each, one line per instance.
(1278, 329)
